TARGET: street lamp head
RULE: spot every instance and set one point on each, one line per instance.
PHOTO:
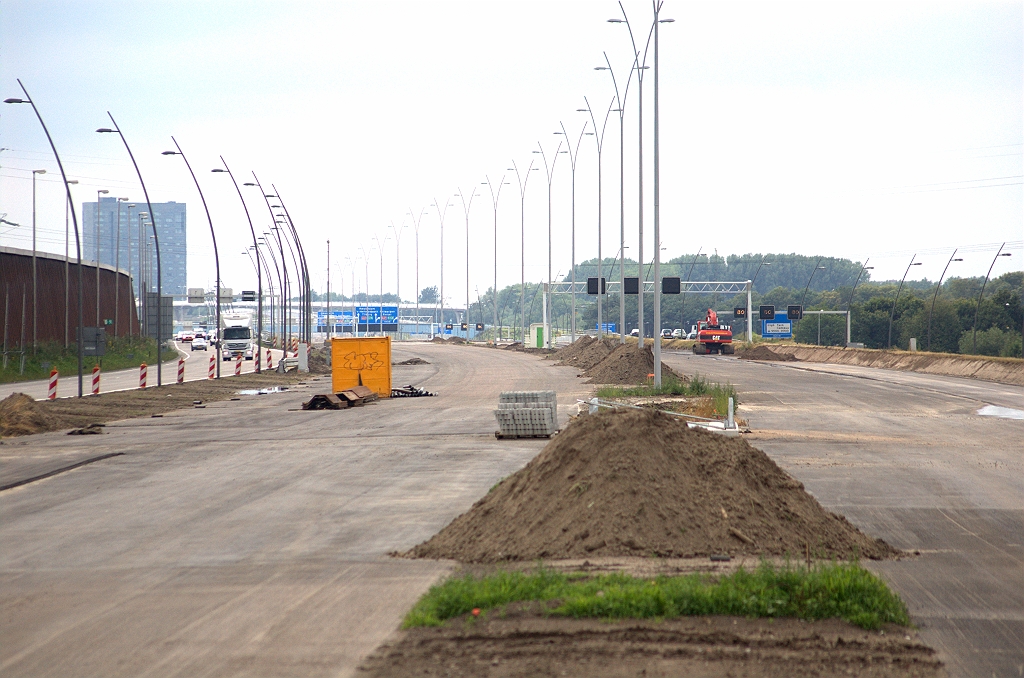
(269, 195)
(248, 183)
(615, 21)
(666, 21)
(600, 68)
(218, 170)
(958, 260)
(72, 181)
(14, 100)
(538, 152)
(103, 191)
(39, 171)
(916, 263)
(131, 205)
(1006, 254)
(106, 130)
(170, 153)
(582, 110)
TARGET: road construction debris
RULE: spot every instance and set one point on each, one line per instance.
(412, 361)
(641, 483)
(357, 396)
(91, 429)
(410, 391)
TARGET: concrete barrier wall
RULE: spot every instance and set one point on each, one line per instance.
(1000, 370)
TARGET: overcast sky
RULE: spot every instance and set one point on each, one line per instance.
(855, 129)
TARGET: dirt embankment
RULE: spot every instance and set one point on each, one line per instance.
(1000, 370)
(642, 483)
(22, 415)
(609, 362)
(521, 643)
(766, 354)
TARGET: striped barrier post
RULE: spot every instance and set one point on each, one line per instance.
(238, 365)
(142, 375)
(95, 379)
(181, 370)
(51, 394)
(213, 366)
(270, 360)
(256, 354)
(295, 346)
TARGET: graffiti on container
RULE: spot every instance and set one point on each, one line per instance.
(362, 361)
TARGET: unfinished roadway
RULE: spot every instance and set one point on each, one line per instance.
(250, 538)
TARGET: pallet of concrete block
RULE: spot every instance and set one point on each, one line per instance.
(526, 414)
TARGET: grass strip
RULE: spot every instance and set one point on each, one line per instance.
(698, 386)
(827, 590)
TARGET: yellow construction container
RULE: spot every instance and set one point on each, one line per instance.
(361, 361)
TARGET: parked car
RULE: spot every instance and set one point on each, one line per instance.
(635, 332)
(677, 334)
(666, 333)
(199, 343)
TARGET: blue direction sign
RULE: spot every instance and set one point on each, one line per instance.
(606, 327)
(781, 327)
(372, 314)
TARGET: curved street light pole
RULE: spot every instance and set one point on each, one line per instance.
(286, 290)
(936, 295)
(549, 170)
(281, 285)
(892, 313)
(156, 246)
(74, 217)
(600, 262)
(260, 258)
(495, 197)
(466, 206)
(640, 66)
(100, 192)
(621, 101)
(259, 274)
(977, 307)
(657, 203)
(213, 236)
(307, 303)
(573, 156)
(522, 239)
(273, 219)
(440, 215)
(416, 229)
(682, 299)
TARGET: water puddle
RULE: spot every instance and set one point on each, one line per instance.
(262, 391)
(1001, 412)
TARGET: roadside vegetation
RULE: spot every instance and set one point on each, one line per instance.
(122, 353)
(695, 387)
(823, 591)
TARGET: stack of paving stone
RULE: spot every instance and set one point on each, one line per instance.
(527, 414)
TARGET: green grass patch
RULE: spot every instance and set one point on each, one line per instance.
(698, 386)
(122, 353)
(825, 591)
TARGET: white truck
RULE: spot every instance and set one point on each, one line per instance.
(236, 336)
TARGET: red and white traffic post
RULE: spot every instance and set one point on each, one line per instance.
(270, 360)
(96, 380)
(181, 370)
(213, 366)
(238, 365)
(51, 393)
(257, 356)
(142, 375)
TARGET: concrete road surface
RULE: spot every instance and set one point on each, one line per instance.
(197, 366)
(906, 457)
(249, 538)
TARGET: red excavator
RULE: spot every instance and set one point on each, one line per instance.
(712, 337)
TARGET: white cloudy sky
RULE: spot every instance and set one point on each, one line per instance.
(853, 129)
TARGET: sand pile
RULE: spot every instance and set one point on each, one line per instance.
(437, 339)
(455, 340)
(765, 353)
(318, 360)
(627, 364)
(641, 483)
(586, 352)
(21, 415)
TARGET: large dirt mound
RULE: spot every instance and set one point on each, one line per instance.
(627, 364)
(765, 353)
(585, 352)
(640, 483)
(21, 415)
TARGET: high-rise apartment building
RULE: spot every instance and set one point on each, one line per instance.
(119, 222)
